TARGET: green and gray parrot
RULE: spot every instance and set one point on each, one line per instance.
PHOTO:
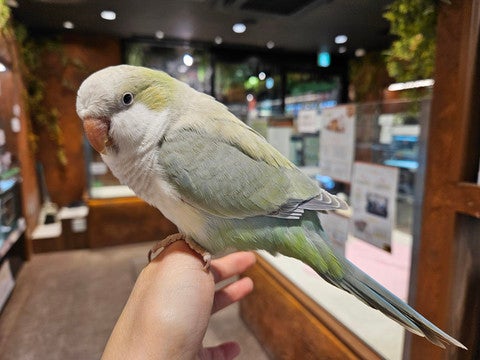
(221, 183)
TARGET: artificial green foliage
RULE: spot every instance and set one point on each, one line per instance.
(42, 116)
(412, 55)
(4, 15)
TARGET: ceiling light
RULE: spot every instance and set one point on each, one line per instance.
(262, 76)
(411, 85)
(239, 28)
(3, 68)
(342, 49)
(188, 59)
(68, 25)
(159, 34)
(218, 40)
(360, 52)
(270, 45)
(108, 15)
(341, 39)
(250, 97)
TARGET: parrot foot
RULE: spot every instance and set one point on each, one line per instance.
(164, 243)
(206, 256)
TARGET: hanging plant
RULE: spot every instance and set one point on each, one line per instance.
(42, 116)
(4, 15)
(412, 55)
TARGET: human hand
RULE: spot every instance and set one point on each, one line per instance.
(170, 305)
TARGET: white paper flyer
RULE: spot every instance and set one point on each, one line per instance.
(337, 142)
(373, 198)
(308, 121)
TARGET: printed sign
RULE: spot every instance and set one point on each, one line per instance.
(337, 142)
(373, 197)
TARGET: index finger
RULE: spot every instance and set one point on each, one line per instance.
(232, 264)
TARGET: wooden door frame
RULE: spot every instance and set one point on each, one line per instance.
(450, 191)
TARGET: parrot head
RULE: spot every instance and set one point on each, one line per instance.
(119, 104)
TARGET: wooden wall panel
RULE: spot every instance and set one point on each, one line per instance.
(92, 53)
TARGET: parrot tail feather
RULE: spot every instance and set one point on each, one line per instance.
(341, 273)
(378, 297)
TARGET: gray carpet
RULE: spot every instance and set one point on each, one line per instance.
(65, 305)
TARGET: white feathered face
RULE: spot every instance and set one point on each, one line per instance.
(120, 105)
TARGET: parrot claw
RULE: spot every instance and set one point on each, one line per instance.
(206, 256)
(164, 243)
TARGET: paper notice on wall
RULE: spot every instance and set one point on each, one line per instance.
(337, 142)
(308, 121)
(373, 197)
(336, 227)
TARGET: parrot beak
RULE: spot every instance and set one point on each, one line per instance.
(96, 130)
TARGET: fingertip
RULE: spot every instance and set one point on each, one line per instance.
(248, 284)
(251, 257)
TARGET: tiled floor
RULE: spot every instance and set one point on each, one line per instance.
(65, 304)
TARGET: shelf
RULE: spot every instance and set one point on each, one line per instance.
(12, 237)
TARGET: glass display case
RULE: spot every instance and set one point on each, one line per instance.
(386, 135)
(190, 65)
(102, 184)
(249, 87)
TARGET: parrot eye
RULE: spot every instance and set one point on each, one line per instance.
(127, 98)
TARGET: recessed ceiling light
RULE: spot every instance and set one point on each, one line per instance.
(250, 97)
(108, 15)
(262, 76)
(239, 28)
(68, 25)
(341, 39)
(270, 45)
(159, 34)
(342, 49)
(218, 40)
(360, 52)
(188, 59)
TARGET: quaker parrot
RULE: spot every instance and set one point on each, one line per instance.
(221, 183)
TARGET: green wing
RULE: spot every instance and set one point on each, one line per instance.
(232, 171)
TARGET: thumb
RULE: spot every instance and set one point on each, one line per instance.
(225, 351)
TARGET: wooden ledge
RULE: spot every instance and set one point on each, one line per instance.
(290, 325)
